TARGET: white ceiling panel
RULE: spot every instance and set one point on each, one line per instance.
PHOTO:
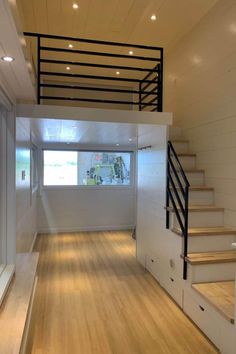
(55, 131)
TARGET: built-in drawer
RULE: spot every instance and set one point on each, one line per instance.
(203, 315)
(152, 264)
(174, 286)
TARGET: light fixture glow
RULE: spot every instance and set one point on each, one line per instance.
(67, 68)
(117, 144)
(130, 139)
(117, 73)
(75, 6)
(153, 17)
(131, 52)
(8, 59)
(70, 45)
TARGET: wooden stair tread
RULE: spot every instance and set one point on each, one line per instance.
(197, 188)
(212, 257)
(196, 208)
(207, 231)
(191, 170)
(220, 294)
(186, 154)
(179, 141)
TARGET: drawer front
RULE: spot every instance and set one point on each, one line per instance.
(152, 265)
(204, 316)
(174, 287)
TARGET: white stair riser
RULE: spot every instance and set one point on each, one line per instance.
(210, 243)
(201, 198)
(195, 179)
(203, 219)
(211, 272)
(181, 147)
(175, 133)
(188, 162)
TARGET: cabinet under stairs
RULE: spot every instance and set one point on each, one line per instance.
(209, 291)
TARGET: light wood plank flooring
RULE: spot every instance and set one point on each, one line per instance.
(94, 297)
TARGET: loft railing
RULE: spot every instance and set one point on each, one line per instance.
(177, 197)
(143, 78)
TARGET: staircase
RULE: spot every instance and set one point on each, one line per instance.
(209, 293)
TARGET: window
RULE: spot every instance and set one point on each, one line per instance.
(86, 168)
(60, 168)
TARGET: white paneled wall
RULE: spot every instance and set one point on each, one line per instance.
(26, 203)
(63, 209)
(200, 90)
(158, 249)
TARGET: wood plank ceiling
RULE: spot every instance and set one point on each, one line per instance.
(113, 20)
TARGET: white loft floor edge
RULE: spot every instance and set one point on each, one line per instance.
(5, 280)
(93, 114)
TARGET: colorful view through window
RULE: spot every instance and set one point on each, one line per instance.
(86, 168)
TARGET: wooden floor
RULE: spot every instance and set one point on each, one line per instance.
(221, 295)
(94, 297)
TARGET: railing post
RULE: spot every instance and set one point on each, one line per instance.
(38, 68)
(185, 232)
(161, 81)
(140, 96)
(167, 188)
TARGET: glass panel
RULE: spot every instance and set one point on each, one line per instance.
(104, 168)
(60, 168)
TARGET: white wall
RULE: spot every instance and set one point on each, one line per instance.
(200, 90)
(85, 207)
(156, 246)
(26, 202)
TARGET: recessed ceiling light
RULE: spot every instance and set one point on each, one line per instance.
(117, 73)
(8, 59)
(75, 6)
(131, 52)
(153, 17)
(68, 68)
(70, 45)
(117, 144)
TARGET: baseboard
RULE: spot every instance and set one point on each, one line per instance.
(54, 230)
(33, 242)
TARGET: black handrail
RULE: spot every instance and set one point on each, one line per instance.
(149, 88)
(174, 194)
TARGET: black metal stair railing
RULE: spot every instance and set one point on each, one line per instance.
(177, 197)
(144, 74)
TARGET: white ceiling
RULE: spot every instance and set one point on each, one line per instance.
(53, 131)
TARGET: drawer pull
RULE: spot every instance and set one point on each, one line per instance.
(171, 279)
(152, 260)
(201, 308)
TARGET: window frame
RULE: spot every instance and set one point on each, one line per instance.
(34, 168)
(81, 186)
